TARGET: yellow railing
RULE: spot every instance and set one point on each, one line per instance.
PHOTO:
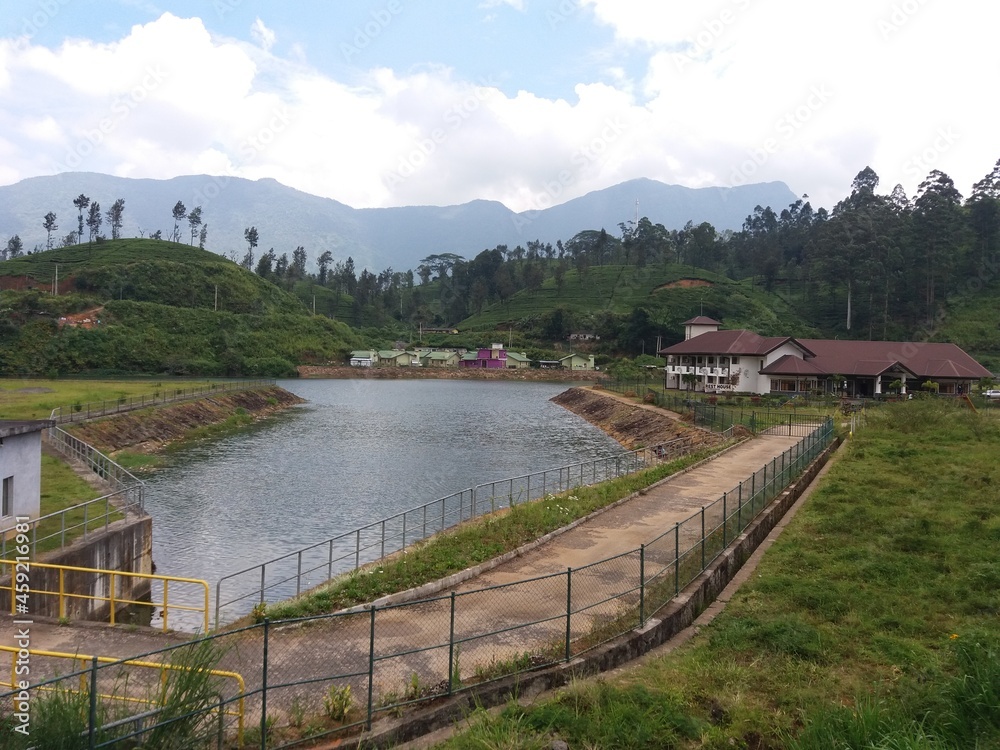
(20, 590)
(86, 663)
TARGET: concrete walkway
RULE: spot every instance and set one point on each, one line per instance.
(489, 625)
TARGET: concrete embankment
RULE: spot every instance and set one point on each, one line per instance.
(448, 373)
(149, 430)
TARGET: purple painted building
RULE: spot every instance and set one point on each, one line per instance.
(493, 358)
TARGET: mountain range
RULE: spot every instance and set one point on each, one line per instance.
(376, 238)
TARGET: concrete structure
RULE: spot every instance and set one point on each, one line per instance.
(577, 362)
(363, 358)
(518, 361)
(492, 358)
(713, 360)
(393, 358)
(21, 470)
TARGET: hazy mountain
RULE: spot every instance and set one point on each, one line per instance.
(375, 237)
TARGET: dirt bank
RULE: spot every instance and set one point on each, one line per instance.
(148, 430)
(449, 373)
(633, 425)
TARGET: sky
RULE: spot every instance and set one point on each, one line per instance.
(526, 102)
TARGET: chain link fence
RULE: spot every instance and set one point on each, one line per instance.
(332, 674)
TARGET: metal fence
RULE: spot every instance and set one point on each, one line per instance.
(55, 530)
(332, 674)
(719, 417)
(294, 572)
(91, 410)
(106, 468)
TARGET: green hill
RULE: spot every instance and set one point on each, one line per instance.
(606, 296)
(147, 306)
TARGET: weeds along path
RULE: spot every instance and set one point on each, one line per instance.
(498, 602)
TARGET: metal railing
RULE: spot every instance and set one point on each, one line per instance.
(93, 409)
(294, 572)
(106, 468)
(108, 585)
(719, 417)
(384, 658)
(110, 691)
(55, 530)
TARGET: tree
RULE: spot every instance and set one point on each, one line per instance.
(297, 270)
(202, 235)
(194, 221)
(179, 212)
(81, 202)
(938, 223)
(70, 239)
(115, 218)
(324, 261)
(265, 266)
(251, 236)
(50, 226)
(15, 248)
(94, 221)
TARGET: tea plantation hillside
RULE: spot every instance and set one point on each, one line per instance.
(147, 306)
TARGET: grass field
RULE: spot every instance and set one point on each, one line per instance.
(35, 398)
(871, 623)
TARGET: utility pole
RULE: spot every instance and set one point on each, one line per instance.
(216, 298)
(55, 284)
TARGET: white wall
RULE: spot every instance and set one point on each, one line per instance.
(21, 457)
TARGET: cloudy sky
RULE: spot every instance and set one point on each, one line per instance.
(529, 102)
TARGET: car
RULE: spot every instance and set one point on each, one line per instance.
(992, 393)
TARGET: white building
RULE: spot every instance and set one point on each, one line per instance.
(21, 470)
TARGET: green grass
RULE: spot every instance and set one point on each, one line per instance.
(472, 543)
(62, 488)
(35, 398)
(871, 622)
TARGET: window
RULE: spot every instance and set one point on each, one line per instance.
(735, 360)
(7, 502)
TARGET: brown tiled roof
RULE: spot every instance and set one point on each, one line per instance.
(701, 320)
(732, 342)
(923, 359)
(792, 365)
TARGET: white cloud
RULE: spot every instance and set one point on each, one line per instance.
(736, 91)
(262, 35)
(515, 4)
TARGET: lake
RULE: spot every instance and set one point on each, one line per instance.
(356, 452)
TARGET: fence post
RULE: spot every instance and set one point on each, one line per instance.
(569, 607)
(677, 558)
(371, 668)
(92, 722)
(263, 688)
(642, 585)
(451, 646)
(725, 520)
(739, 510)
(702, 537)
(764, 500)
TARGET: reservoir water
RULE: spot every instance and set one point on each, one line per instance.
(355, 452)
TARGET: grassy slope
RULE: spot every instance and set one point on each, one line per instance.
(619, 289)
(168, 308)
(871, 622)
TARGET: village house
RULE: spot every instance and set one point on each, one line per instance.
(393, 358)
(440, 359)
(20, 470)
(518, 361)
(363, 358)
(713, 360)
(491, 358)
(577, 362)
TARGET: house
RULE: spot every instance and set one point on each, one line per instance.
(710, 359)
(584, 336)
(393, 358)
(363, 358)
(577, 362)
(440, 359)
(518, 361)
(492, 358)
(20, 470)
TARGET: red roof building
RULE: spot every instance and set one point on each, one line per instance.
(710, 359)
